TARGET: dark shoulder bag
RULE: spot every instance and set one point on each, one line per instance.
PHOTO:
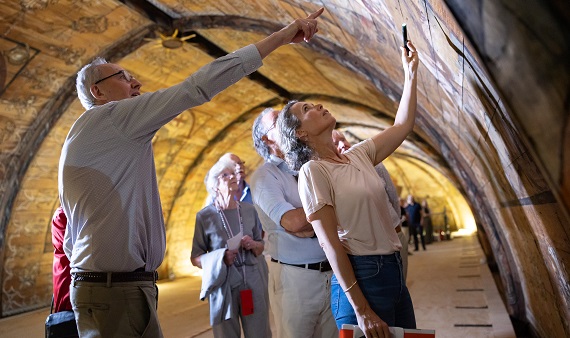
(61, 324)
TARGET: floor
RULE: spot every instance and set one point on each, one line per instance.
(451, 286)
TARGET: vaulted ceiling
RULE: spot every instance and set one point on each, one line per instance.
(491, 144)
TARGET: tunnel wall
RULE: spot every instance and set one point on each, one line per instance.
(525, 49)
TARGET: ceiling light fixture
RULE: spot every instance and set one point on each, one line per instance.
(18, 55)
(173, 42)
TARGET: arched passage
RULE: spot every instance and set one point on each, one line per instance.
(493, 114)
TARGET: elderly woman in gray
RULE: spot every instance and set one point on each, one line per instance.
(349, 210)
(227, 240)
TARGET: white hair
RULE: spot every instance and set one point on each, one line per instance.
(211, 180)
(85, 78)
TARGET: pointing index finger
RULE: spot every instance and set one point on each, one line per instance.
(316, 14)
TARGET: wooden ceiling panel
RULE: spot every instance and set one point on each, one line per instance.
(58, 40)
(301, 71)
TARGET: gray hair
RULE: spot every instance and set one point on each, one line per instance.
(296, 151)
(257, 133)
(85, 78)
(211, 180)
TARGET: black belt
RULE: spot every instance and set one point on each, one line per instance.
(115, 277)
(323, 266)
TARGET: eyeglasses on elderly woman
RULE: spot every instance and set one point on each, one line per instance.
(226, 175)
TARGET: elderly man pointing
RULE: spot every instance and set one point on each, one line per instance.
(116, 236)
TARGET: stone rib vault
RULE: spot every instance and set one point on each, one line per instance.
(490, 150)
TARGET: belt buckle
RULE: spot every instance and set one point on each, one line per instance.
(325, 266)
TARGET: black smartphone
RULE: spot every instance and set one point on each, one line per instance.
(405, 36)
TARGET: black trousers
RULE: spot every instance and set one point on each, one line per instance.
(416, 230)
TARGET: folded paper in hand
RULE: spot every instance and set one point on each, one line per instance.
(235, 242)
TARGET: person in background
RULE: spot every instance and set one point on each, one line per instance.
(426, 222)
(109, 190)
(244, 192)
(61, 270)
(61, 276)
(228, 271)
(299, 274)
(414, 211)
(404, 222)
(344, 145)
(244, 195)
(349, 208)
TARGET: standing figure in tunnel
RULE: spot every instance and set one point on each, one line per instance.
(344, 201)
(343, 145)
(108, 188)
(414, 211)
(404, 221)
(228, 270)
(299, 273)
(426, 222)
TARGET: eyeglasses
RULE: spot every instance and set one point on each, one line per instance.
(225, 175)
(126, 75)
(270, 128)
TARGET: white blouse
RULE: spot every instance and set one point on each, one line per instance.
(366, 219)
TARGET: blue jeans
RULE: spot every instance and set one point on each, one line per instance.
(381, 279)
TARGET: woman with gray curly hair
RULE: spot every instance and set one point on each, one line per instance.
(227, 241)
(349, 210)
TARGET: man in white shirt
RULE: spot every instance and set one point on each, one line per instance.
(108, 189)
(299, 273)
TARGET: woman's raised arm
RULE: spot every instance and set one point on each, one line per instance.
(390, 138)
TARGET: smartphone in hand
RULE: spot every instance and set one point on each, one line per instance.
(405, 36)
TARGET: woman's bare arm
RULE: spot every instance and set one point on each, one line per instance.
(391, 138)
(324, 223)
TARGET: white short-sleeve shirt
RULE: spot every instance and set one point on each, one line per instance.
(366, 219)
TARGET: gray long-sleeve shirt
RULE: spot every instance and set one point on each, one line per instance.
(107, 176)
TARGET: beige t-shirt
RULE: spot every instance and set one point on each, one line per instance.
(366, 219)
